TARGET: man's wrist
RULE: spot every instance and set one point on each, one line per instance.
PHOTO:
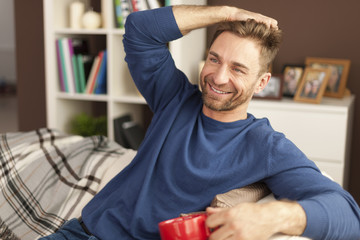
(289, 217)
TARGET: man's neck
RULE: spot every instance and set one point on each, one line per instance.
(227, 116)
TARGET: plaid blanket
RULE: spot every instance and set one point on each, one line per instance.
(46, 178)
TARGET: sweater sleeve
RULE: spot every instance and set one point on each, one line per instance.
(332, 215)
(331, 211)
(149, 60)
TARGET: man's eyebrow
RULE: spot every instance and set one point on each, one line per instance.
(240, 65)
(233, 62)
(214, 54)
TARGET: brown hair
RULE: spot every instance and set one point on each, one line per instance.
(269, 39)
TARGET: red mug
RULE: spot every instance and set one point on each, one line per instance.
(191, 227)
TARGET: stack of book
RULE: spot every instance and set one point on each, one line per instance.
(78, 71)
(124, 7)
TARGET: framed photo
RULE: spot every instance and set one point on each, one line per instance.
(273, 90)
(291, 79)
(339, 73)
(312, 85)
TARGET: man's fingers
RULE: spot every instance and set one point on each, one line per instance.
(268, 21)
(215, 217)
(272, 23)
(221, 233)
(212, 210)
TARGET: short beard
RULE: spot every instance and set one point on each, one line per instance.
(229, 105)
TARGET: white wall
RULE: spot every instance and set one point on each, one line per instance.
(7, 41)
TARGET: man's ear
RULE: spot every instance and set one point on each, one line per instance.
(263, 81)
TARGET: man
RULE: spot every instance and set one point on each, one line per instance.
(202, 144)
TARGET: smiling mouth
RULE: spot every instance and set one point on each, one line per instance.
(217, 90)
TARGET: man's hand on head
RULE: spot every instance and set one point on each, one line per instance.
(243, 15)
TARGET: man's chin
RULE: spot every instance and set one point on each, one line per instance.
(219, 107)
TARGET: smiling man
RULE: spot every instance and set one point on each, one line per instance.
(202, 144)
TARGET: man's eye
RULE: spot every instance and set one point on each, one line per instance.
(237, 70)
(214, 60)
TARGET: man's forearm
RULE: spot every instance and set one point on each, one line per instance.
(189, 17)
(257, 221)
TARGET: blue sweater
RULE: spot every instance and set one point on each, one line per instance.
(187, 158)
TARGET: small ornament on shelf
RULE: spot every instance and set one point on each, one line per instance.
(91, 20)
(77, 10)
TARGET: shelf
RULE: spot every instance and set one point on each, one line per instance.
(84, 97)
(81, 31)
(130, 99)
(101, 98)
(117, 31)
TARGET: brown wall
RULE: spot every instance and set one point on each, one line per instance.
(318, 29)
(30, 64)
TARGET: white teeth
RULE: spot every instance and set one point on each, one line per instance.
(217, 91)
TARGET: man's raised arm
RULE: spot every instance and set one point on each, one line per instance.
(189, 18)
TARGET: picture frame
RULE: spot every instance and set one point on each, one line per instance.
(273, 90)
(312, 85)
(339, 74)
(291, 78)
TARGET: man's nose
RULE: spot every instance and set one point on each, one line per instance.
(221, 75)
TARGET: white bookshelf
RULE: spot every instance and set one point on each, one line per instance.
(122, 96)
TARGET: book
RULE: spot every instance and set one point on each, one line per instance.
(73, 71)
(92, 75)
(97, 69)
(84, 65)
(87, 62)
(77, 46)
(63, 88)
(91, 84)
(81, 72)
(62, 57)
(76, 73)
(101, 77)
(118, 14)
(73, 66)
(68, 65)
(134, 5)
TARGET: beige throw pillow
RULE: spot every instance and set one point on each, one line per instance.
(250, 193)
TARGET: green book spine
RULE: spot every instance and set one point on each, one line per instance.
(76, 74)
(81, 72)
